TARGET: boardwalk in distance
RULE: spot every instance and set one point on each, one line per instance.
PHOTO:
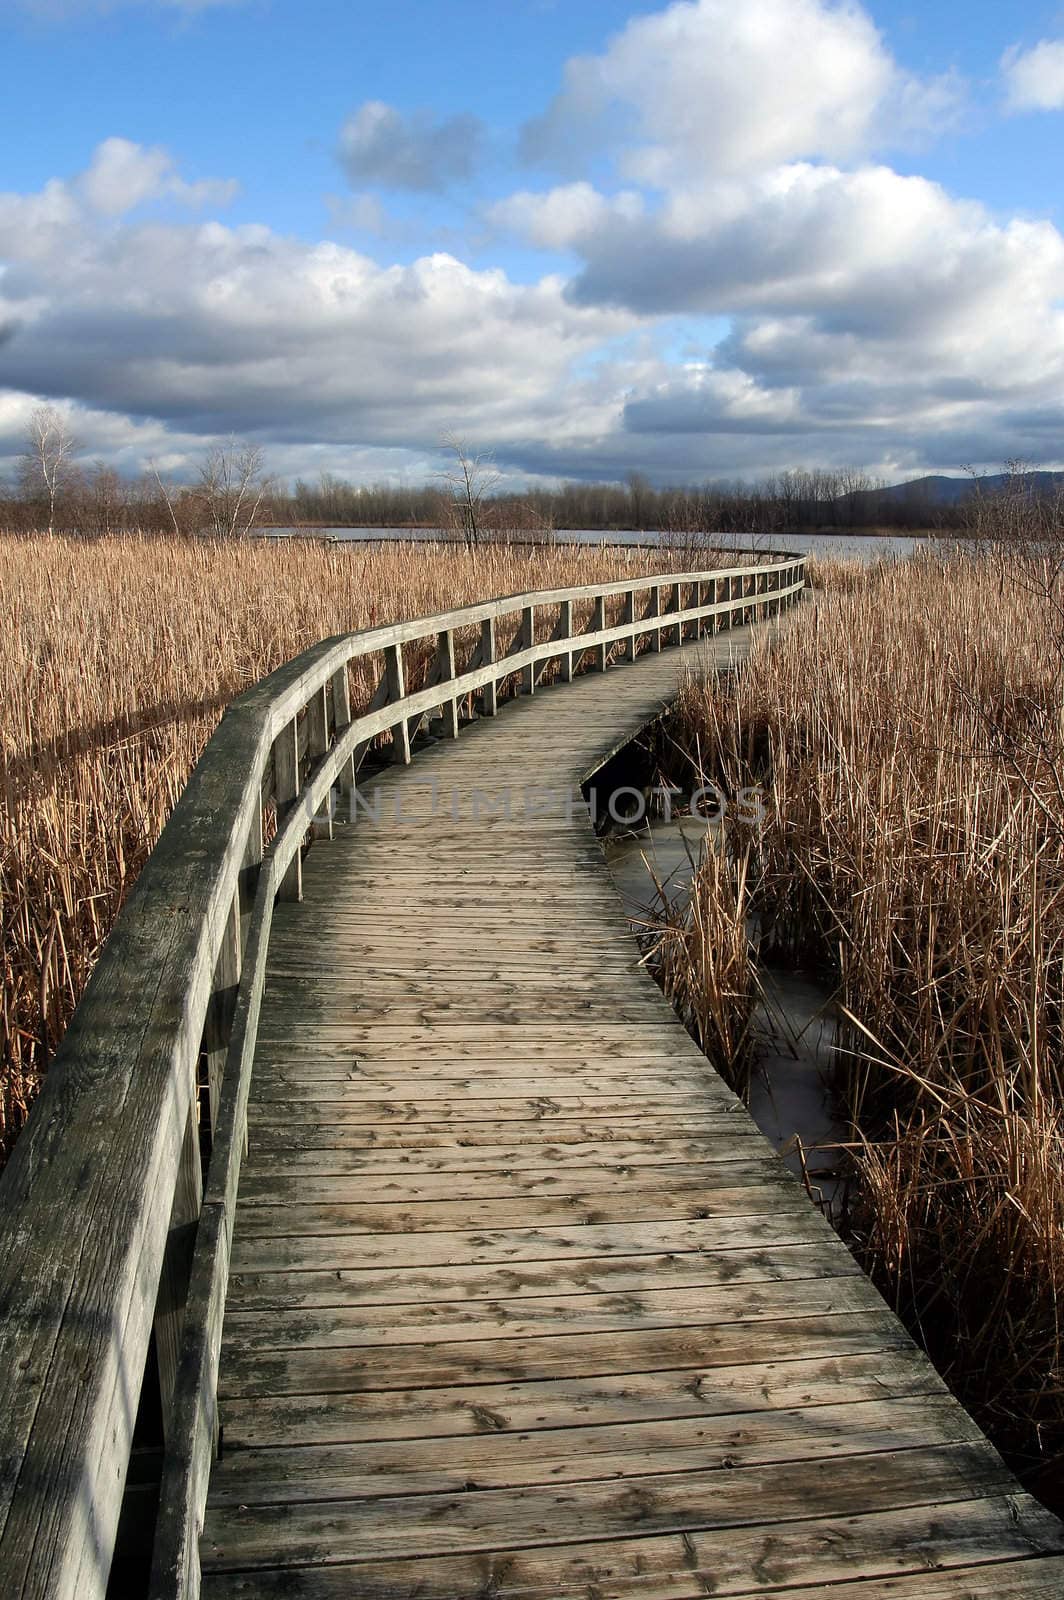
(522, 1304)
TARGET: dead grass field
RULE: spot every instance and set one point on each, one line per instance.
(909, 731)
(117, 659)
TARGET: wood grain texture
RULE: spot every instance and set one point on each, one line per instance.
(521, 1302)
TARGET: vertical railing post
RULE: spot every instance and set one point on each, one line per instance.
(565, 631)
(446, 668)
(341, 699)
(598, 625)
(395, 680)
(221, 1007)
(252, 862)
(654, 610)
(317, 745)
(285, 791)
(629, 622)
(526, 639)
(177, 1259)
(489, 703)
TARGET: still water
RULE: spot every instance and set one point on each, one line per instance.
(790, 1098)
(852, 546)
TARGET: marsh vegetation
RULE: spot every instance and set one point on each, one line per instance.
(117, 661)
(908, 728)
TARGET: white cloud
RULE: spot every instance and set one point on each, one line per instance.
(209, 329)
(874, 314)
(876, 321)
(562, 217)
(381, 145)
(123, 175)
(870, 249)
(709, 86)
(1034, 79)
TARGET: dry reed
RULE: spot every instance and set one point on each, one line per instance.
(908, 728)
(116, 662)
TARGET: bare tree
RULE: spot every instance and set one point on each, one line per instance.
(166, 492)
(469, 482)
(233, 486)
(48, 464)
(104, 501)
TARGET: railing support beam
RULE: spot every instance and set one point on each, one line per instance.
(489, 694)
(395, 677)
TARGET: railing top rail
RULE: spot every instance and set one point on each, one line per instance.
(329, 654)
(86, 1199)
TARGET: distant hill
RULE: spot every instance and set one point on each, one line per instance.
(939, 490)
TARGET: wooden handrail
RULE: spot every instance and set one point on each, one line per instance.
(114, 1238)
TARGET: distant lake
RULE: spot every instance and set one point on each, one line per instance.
(853, 546)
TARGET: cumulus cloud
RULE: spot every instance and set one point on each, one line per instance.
(123, 175)
(880, 253)
(864, 302)
(120, 177)
(711, 86)
(211, 329)
(564, 216)
(381, 145)
(1034, 79)
(874, 315)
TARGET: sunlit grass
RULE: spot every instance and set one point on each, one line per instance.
(116, 661)
(909, 731)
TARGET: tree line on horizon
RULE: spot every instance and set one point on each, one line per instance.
(233, 494)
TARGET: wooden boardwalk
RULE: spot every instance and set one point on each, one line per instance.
(521, 1303)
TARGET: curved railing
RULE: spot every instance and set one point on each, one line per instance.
(116, 1208)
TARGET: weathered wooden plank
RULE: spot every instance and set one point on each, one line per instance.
(437, 1287)
(980, 1549)
(372, 1160)
(502, 1316)
(535, 1108)
(501, 1519)
(341, 1370)
(548, 1243)
(689, 1389)
(329, 1082)
(766, 1193)
(700, 1445)
(544, 1131)
(390, 1189)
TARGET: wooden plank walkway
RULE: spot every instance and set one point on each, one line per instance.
(522, 1303)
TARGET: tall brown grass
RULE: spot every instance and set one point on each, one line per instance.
(116, 661)
(908, 727)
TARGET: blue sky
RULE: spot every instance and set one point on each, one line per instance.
(696, 240)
